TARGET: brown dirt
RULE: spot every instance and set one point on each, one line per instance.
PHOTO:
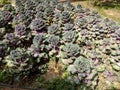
(54, 70)
(6, 88)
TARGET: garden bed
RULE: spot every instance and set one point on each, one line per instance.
(54, 45)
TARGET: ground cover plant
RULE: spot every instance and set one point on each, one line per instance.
(35, 32)
(2, 2)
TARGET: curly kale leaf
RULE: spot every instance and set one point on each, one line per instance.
(39, 39)
(37, 24)
(81, 22)
(65, 17)
(69, 36)
(53, 40)
(71, 49)
(68, 27)
(11, 39)
(20, 30)
(60, 7)
(82, 64)
(40, 8)
(48, 13)
(29, 5)
(39, 15)
(5, 18)
(53, 29)
(18, 61)
(20, 18)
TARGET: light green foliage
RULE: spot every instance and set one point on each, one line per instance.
(4, 1)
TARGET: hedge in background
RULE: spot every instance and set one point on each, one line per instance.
(105, 2)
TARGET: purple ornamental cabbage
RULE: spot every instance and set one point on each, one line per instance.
(37, 25)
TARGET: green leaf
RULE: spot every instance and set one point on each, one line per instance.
(116, 67)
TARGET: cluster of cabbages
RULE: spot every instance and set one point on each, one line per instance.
(36, 31)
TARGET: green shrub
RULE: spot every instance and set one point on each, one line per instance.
(105, 2)
(4, 1)
(3, 76)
